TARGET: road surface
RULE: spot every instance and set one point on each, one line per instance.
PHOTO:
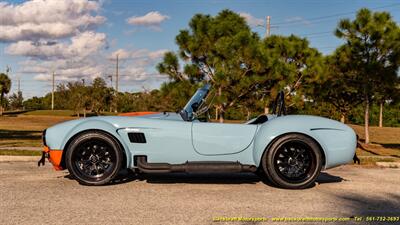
(32, 195)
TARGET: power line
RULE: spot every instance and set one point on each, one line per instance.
(316, 34)
(328, 16)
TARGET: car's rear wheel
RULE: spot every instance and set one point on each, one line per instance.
(94, 158)
(293, 161)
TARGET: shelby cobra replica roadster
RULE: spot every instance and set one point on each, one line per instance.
(289, 150)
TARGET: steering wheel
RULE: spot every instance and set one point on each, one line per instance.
(279, 105)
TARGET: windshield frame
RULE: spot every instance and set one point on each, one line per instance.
(187, 113)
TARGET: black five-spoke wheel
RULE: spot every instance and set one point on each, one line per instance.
(94, 158)
(293, 161)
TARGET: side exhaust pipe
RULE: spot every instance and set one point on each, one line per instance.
(192, 167)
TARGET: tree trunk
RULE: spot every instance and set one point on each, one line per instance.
(366, 121)
(248, 114)
(266, 110)
(221, 110)
(343, 118)
(221, 116)
(381, 114)
(216, 112)
(1, 104)
(84, 112)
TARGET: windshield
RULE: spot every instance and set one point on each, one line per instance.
(194, 103)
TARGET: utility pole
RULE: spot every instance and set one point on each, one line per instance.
(110, 76)
(268, 27)
(117, 78)
(19, 84)
(52, 94)
(8, 69)
(116, 87)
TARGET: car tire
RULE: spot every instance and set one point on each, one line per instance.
(94, 158)
(293, 161)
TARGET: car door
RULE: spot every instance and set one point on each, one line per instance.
(221, 138)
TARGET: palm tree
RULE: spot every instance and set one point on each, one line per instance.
(5, 85)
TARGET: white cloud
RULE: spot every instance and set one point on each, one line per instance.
(153, 18)
(36, 19)
(137, 54)
(59, 36)
(81, 45)
(251, 20)
(138, 65)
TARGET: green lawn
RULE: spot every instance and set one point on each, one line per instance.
(25, 131)
(20, 152)
(50, 113)
(64, 113)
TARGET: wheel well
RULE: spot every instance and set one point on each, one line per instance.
(277, 137)
(87, 131)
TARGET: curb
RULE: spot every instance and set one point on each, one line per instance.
(15, 158)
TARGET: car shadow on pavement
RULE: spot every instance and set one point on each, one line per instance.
(126, 176)
(325, 178)
(358, 205)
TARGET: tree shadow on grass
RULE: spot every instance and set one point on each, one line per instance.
(395, 146)
(20, 134)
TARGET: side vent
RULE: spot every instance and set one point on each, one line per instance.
(137, 137)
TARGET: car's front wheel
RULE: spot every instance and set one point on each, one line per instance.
(94, 158)
(293, 161)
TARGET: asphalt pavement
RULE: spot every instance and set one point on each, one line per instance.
(32, 195)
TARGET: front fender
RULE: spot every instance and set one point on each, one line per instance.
(58, 136)
(337, 140)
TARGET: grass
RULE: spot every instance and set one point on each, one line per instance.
(386, 136)
(20, 152)
(20, 138)
(64, 113)
(30, 122)
(25, 131)
(50, 113)
(384, 146)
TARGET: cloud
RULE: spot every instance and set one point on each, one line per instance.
(251, 20)
(49, 19)
(139, 64)
(124, 54)
(60, 36)
(81, 45)
(151, 19)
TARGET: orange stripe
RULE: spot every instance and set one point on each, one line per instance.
(55, 157)
(137, 113)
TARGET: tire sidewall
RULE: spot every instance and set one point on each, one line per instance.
(269, 168)
(88, 136)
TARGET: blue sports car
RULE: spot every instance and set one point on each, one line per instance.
(289, 150)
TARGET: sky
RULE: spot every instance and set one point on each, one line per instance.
(80, 39)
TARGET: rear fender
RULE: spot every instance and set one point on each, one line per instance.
(337, 140)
